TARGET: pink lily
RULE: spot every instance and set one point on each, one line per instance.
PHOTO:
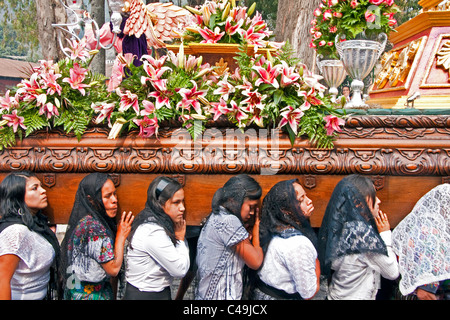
(105, 110)
(154, 74)
(162, 99)
(156, 63)
(49, 109)
(288, 75)
(190, 98)
(128, 100)
(240, 115)
(230, 29)
(8, 103)
(291, 117)
(14, 120)
(254, 100)
(267, 75)
(252, 37)
(51, 84)
(225, 88)
(220, 108)
(147, 126)
(149, 108)
(29, 89)
(77, 75)
(333, 124)
(78, 50)
(161, 94)
(116, 75)
(211, 36)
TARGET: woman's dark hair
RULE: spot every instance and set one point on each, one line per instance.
(234, 192)
(159, 191)
(365, 186)
(12, 197)
(281, 211)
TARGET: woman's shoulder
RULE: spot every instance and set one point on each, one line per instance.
(91, 226)
(293, 243)
(15, 231)
(16, 237)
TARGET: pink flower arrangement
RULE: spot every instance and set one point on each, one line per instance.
(349, 18)
(264, 91)
(55, 94)
(222, 21)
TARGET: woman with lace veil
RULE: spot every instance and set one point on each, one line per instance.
(355, 241)
(291, 268)
(225, 245)
(93, 247)
(157, 251)
(29, 249)
(422, 243)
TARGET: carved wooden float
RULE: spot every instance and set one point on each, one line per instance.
(405, 155)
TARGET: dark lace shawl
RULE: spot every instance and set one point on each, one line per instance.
(348, 227)
(88, 202)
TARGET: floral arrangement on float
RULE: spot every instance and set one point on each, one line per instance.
(350, 18)
(338, 21)
(222, 21)
(268, 91)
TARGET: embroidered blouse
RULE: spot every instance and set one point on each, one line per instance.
(219, 266)
(87, 272)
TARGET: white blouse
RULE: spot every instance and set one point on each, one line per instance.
(290, 265)
(357, 276)
(152, 259)
(30, 280)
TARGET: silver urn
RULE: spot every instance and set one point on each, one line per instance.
(334, 74)
(359, 58)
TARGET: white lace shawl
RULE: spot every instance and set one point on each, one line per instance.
(422, 241)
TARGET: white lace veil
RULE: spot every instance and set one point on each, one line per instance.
(422, 241)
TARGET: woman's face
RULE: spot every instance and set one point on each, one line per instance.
(174, 207)
(248, 210)
(305, 203)
(374, 208)
(109, 198)
(35, 195)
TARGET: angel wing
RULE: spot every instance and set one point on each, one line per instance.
(156, 20)
(168, 18)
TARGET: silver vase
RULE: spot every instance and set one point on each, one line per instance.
(359, 58)
(333, 73)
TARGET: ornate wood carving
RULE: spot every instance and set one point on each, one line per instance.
(372, 145)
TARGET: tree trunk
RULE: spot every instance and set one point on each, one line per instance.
(49, 12)
(98, 15)
(293, 25)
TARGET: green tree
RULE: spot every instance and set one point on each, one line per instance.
(409, 9)
(19, 18)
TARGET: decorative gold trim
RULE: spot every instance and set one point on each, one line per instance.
(424, 84)
(412, 70)
(199, 48)
(443, 57)
(427, 4)
(420, 23)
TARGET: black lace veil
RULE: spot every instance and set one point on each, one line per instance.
(348, 226)
(280, 211)
(88, 201)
